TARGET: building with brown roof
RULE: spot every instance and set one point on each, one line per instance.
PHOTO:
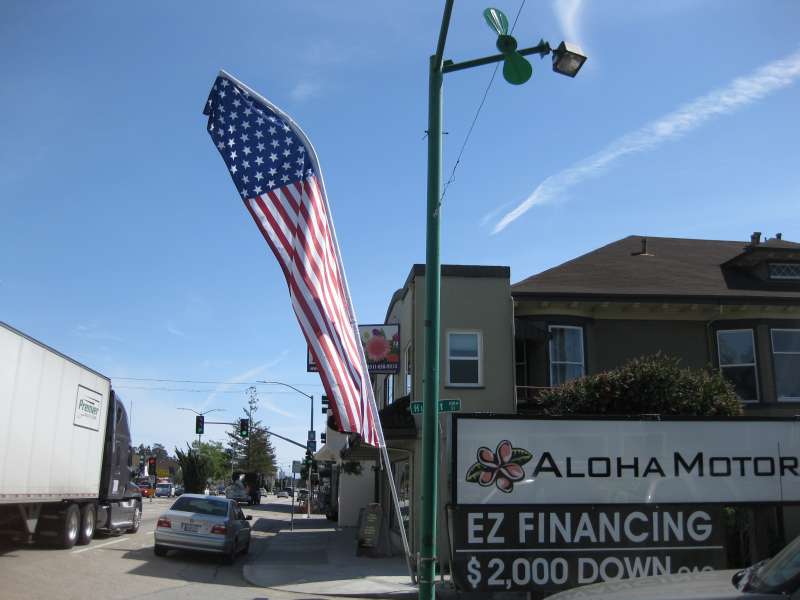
(733, 305)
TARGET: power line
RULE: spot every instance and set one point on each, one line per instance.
(205, 382)
(189, 390)
(475, 118)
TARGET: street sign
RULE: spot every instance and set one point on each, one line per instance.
(297, 466)
(447, 405)
(312, 445)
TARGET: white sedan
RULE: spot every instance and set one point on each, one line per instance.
(205, 523)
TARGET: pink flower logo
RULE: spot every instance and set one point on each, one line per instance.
(377, 347)
(502, 467)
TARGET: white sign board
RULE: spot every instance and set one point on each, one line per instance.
(571, 461)
(297, 466)
(88, 408)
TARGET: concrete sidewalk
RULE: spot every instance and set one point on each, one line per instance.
(319, 558)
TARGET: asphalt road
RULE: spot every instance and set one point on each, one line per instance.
(124, 566)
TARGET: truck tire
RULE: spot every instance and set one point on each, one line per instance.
(88, 523)
(69, 527)
(137, 519)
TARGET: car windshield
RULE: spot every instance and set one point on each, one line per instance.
(778, 571)
(163, 486)
(203, 506)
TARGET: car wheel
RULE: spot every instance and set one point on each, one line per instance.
(159, 550)
(137, 519)
(246, 548)
(69, 527)
(88, 521)
(230, 556)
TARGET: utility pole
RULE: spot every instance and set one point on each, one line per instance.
(516, 71)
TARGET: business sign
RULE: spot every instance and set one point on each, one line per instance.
(381, 344)
(88, 408)
(546, 547)
(570, 461)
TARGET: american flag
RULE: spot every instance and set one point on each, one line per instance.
(275, 169)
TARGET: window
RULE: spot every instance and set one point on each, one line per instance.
(402, 483)
(464, 358)
(737, 361)
(408, 369)
(566, 353)
(389, 389)
(521, 361)
(784, 271)
(786, 358)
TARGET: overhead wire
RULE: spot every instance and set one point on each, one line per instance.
(475, 118)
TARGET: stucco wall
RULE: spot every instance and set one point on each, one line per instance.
(355, 492)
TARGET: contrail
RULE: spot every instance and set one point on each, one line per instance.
(738, 93)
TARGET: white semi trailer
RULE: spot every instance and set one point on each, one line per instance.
(65, 452)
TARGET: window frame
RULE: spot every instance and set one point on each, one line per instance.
(408, 372)
(388, 389)
(794, 265)
(479, 358)
(552, 362)
(754, 364)
(774, 372)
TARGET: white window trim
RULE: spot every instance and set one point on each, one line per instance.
(754, 364)
(479, 359)
(552, 362)
(772, 347)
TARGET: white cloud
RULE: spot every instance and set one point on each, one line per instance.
(249, 375)
(568, 13)
(305, 90)
(174, 330)
(738, 93)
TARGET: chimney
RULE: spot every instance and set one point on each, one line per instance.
(644, 249)
(755, 239)
(778, 236)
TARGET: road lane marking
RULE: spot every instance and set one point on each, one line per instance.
(117, 541)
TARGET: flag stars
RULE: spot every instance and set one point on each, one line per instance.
(260, 147)
(273, 157)
(231, 129)
(233, 115)
(289, 141)
(300, 161)
(231, 143)
(275, 143)
(260, 120)
(257, 190)
(246, 150)
(246, 125)
(286, 153)
(244, 137)
(272, 130)
(245, 178)
(284, 178)
(259, 135)
(272, 171)
(271, 184)
(233, 155)
(237, 103)
(248, 111)
(285, 166)
(234, 169)
(245, 164)
(259, 176)
(298, 173)
(259, 161)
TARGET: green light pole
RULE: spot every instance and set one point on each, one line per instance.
(567, 60)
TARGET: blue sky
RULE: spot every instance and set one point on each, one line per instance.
(124, 244)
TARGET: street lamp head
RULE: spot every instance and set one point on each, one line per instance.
(568, 59)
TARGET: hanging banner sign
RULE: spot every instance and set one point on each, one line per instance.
(548, 548)
(573, 461)
(381, 345)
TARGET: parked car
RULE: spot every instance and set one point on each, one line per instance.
(205, 523)
(178, 490)
(772, 579)
(165, 490)
(282, 494)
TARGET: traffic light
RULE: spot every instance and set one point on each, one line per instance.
(199, 424)
(244, 427)
(324, 405)
(151, 465)
(322, 437)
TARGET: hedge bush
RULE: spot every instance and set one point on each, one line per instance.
(655, 384)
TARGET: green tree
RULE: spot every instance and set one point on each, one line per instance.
(218, 458)
(654, 384)
(254, 452)
(195, 469)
